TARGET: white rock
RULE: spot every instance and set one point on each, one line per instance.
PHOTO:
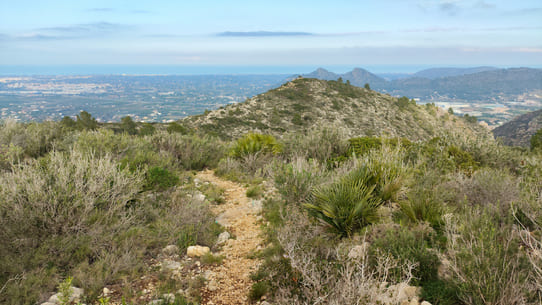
(406, 292)
(358, 251)
(223, 238)
(170, 250)
(257, 205)
(48, 303)
(197, 251)
(425, 303)
(199, 196)
(54, 299)
(212, 286)
(169, 265)
(168, 297)
(106, 291)
(156, 302)
(265, 303)
(75, 296)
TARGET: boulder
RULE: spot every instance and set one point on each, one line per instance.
(358, 251)
(169, 265)
(425, 303)
(408, 293)
(197, 251)
(168, 298)
(170, 250)
(223, 238)
(75, 296)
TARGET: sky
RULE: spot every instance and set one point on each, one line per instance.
(279, 32)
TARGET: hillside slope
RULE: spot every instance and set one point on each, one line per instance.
(303, 104)
(519, 131)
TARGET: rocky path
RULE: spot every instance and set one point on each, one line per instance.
(230, 283)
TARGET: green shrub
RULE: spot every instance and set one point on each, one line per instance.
(253, 143)
(174, 127)
(258, 290)
(421, 207)
(536, 141)
(160, 178)
(147, 129)
(254, 191)
(211, 259)
(347, 205)
(487, 263)
(412, 246)
(440, 292)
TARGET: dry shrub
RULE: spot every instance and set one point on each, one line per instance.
(296, 180)
(327, 275)
(486, 260)
(57, 212)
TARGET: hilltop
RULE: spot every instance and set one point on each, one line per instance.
(519, 131)
(304, 103)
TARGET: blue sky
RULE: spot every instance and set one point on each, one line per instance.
(234, 32)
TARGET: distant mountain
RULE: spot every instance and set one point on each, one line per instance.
(519, 131)
(357, 77)
(305, 103)
(470, 85)
(435, 73)
(322, 73)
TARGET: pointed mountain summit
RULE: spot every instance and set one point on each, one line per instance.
(322, 73)
(359, 77)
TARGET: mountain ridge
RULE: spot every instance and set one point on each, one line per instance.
(518, 131)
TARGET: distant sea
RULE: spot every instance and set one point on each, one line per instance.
(7, 70)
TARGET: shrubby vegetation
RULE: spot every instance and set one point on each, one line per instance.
(457, 215)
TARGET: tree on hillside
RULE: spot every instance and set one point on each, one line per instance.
(128, 126)
(68, 122)
(85, 121)
(367, 86)
(536, 141)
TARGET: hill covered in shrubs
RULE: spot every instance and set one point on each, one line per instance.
(303, 104)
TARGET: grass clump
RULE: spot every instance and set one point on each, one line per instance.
(258, 290)
(254, 191)
(211, 259)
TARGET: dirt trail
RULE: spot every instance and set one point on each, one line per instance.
(230, 283)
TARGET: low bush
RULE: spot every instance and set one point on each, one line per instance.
(255, 143)
(486, 260)
(296, 180)
(160, 179)
(409, 246)
(254, 191)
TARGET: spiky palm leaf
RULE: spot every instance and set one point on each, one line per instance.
(347, 205)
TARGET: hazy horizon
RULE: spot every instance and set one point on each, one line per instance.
(283, 33)
(29, 70)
